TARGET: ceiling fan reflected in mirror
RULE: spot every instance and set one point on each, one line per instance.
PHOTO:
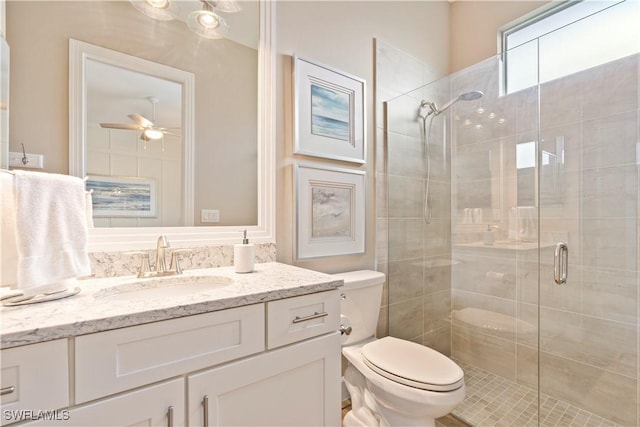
(148, 127)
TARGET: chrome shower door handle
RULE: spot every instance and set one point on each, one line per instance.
(560, 263)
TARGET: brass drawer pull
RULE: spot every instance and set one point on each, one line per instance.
(205, 404)
(315, 315)
(170, 416)
(7, 390)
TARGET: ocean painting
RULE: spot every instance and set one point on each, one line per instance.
(122, 196)
(331, 211)
(330, 113)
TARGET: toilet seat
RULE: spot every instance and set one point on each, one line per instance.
(412, 364)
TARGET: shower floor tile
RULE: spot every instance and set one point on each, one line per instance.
(494, 401)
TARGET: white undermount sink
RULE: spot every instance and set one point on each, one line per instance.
(164, 287)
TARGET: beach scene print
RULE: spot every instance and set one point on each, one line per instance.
(112, 197)
(330, 113)
(331, 211)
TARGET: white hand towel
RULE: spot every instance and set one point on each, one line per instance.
(8, 248)
(51, 229)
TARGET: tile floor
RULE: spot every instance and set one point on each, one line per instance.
(494, 401)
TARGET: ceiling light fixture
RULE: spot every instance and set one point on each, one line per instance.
(226, 6)
(152, 133)
(156, 9)
(206, 23)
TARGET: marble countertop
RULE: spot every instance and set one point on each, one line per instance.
(96, 309)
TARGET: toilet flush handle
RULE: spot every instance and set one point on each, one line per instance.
(345, 330)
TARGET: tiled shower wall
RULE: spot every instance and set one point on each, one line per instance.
(414, 255)
(589, 326)
(483, 304)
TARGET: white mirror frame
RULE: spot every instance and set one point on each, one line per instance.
(79, 53)
(127, 238)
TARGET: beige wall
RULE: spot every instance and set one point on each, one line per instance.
(474, 24)
(341, 35)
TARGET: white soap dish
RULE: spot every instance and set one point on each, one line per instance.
(34, 299)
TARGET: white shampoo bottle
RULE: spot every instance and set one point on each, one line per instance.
(244, 255)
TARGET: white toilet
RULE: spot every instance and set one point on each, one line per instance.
(392, 382)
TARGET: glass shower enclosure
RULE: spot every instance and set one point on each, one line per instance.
(513, 235)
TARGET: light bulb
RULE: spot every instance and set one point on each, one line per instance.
(153, 133)
(156, 9)
(207, 23)
(158, 4)
(208, 20)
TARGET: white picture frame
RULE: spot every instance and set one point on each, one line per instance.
(330, 211)
(115, 196)
(329, 112)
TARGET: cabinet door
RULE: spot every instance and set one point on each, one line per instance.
(158, 405)
(298, 385)
(34, 377)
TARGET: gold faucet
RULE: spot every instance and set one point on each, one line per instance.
(162, 245)
(161, 265)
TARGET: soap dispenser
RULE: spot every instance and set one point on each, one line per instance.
(487, 236)
(244, 255)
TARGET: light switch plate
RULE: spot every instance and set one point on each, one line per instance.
(210, 215)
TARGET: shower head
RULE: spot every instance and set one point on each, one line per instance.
(470, 96)
(466, 96)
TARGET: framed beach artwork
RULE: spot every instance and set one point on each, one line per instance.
(122, 196)
(329, 116)
(330, 211)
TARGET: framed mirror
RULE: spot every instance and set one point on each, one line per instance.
(131, 124)
(257, 161)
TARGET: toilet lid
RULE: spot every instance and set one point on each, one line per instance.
(412, 364)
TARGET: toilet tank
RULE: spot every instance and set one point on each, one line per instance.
(360, 305)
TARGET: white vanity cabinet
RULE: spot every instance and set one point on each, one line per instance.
(269, 364)
(296, 384)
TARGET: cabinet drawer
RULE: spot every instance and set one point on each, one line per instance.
(299, 318)
(113, 361)
(34, 378)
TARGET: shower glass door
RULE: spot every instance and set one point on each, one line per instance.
(527, 273)
(495, 245)
(588, 197)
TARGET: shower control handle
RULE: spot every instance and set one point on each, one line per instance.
(560, 263)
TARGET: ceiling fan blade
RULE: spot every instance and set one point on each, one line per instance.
(120, 126)
(141, 120)
(171, 133)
